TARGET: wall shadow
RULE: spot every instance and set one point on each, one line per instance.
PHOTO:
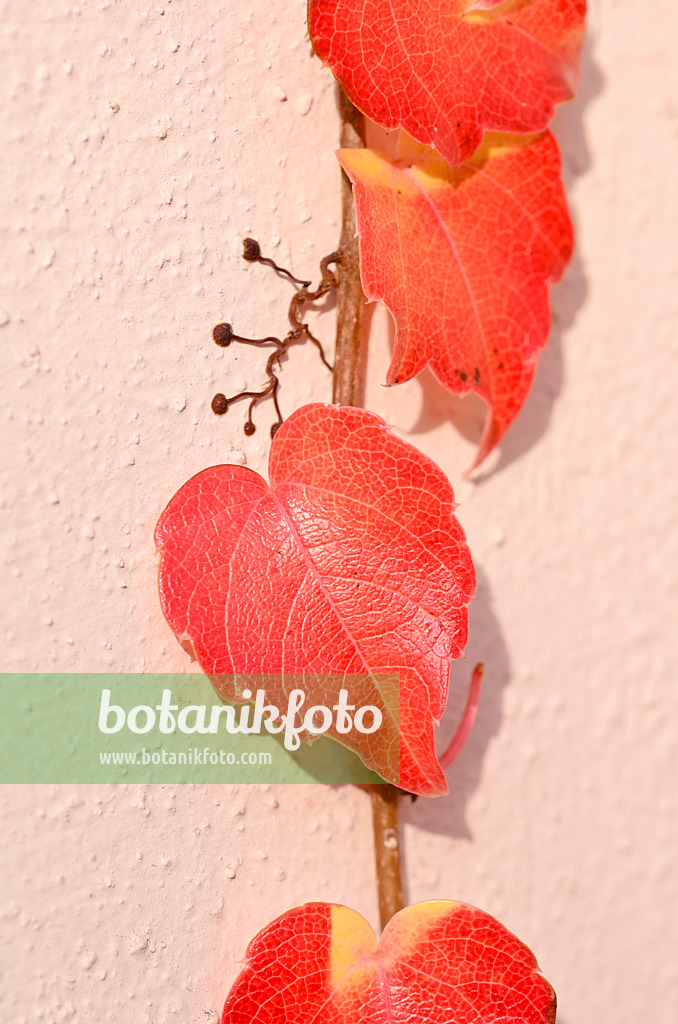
(447, 815)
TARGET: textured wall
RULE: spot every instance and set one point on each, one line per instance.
(141, 142)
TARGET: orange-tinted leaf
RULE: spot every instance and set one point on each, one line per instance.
(436, 963)
(462, 258)
(350, 563)
(448, 71)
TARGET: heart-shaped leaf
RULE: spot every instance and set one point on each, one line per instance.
(436, 963)
(462, 258)
(349, 568)
(448, 71)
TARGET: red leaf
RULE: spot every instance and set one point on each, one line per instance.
(447, 72)
(462, 258)
(350, 562)
(435, 963)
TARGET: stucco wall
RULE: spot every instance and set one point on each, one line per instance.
(141, 142)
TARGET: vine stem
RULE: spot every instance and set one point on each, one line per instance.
(349, 389)
(349, 360)
(385, 803)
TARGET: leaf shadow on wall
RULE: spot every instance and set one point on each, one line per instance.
(467, 413)
(447, 815)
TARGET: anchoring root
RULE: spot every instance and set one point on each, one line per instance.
(223, 333)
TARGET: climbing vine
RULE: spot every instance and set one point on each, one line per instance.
(349, 563)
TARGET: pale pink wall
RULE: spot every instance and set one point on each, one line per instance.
(140, 142)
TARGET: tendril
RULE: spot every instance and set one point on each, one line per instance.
(223, 334)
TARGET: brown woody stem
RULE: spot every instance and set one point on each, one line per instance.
(387, 851)
(349, 389)
(349, 360)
